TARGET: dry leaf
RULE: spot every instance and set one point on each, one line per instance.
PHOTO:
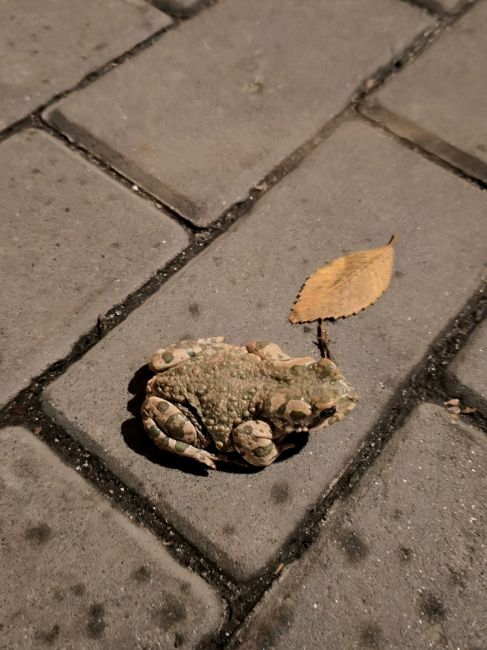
(454, 406)
(469, 409)
(279, 568)
(345, 286)
(454, 401)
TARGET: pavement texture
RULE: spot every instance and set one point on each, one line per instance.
(467, 374)
(202, 146)
(50, 229)
(176, 169)
(434, 94)
(76, 572)
(46, 52)
(411, 531)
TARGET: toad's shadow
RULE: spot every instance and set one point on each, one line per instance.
(135, 437)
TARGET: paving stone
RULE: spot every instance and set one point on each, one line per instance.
(73, 243)
(207, 112)
(467, 374)
(435, 94)
(77, 574)
(352, 193)
(45, 52)
(412, 536)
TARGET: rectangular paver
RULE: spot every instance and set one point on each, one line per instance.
(468, 372)
(442, 96)
(206, 113)
(77, 574)
(353, 192)
(48, 47)
(401, 563)
(73, 242)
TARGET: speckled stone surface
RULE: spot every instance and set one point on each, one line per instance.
(211, 108)
(468, 372)
(401, 563)
(73, 243)
(49, 47)
(353, 192)
(443, 86)
(77, 574)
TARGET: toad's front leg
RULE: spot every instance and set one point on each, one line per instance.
(182, 351)
(253, 440)
(172, 431)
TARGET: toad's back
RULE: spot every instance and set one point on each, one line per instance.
(227, 386)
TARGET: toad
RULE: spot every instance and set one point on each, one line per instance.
(209, 394)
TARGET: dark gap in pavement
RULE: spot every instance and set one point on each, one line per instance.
(453, 160)
(431, 7)
(411, 52)
(172, 8)
(426, 382)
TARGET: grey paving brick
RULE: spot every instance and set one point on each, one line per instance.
(353, 192)
(468, 372)
(44, 51)
(77, 574)
(442, 96)
(399, 564)
(73, 243)
(206, 113)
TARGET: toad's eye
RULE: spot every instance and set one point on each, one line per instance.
(327, 413)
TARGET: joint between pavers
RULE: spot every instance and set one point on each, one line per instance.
(431, 7)
(435, 6)
(454, 158)
(422, 384)
(199, 240)
(366, 106)
(130, 503)
(170, 8)
(411, 52)
(249, 594)
(39, 122)
(99, 72)
(419, 386)
(93, 76)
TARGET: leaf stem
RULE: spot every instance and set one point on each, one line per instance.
(323, 339)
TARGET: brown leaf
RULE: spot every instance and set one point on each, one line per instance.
(453, 406)
(345, 286)
(469, 409)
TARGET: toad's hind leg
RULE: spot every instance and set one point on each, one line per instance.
(171, 430)
(253, 440)
(182, 351)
